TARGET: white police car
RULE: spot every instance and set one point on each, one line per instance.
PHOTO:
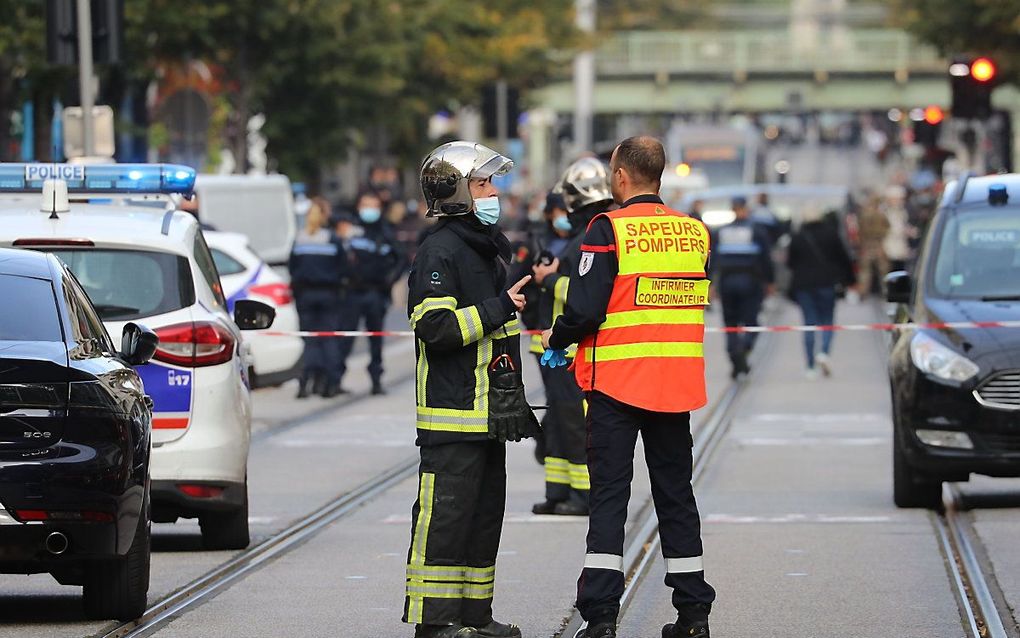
(141, 260)
(275, 358)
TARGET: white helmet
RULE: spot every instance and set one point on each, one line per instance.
(585, 182)
(445, 173)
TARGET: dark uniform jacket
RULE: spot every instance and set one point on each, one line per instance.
(742, 248)
(316, 262)
(462, 319)
(375, 259)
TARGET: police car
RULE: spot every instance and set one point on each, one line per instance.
(140, 260)
(245, 276)
(956, 391)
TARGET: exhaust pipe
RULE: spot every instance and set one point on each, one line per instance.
(56, 543)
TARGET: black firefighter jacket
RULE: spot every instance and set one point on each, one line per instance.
(462, 319)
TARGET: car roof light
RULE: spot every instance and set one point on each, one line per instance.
(100, 178)
(998, 195)
(50, 241)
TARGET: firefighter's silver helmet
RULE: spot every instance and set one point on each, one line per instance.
(445, 173)
(585, 182)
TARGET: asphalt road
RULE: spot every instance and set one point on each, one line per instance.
(801, 535)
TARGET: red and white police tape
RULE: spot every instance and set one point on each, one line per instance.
(854, 327)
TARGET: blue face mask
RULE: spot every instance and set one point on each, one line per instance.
(562, 223)
(487, 210)
(369, 215)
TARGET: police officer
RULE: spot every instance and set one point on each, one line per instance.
(463, 316)
(742, 269)
(636, 307)
(374, 261)
(586, 193)
(317, 268)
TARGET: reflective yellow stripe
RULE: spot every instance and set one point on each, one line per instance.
(422, 374)
(419, 542)
(452, 420)
(559, 297)
(557, 471)
(670, 317)
(661, 243)
(536, 345)
(479, 574)
(509, 329)
(470, 323)
(649, 349)
(579, 479)
(484, 358)
(429, 304)
(479, 592)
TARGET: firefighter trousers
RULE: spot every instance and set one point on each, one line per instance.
(613, 429)
(455, 528)
(566, 465)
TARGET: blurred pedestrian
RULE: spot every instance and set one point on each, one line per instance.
(763, 215)
(586, 193)
(872, 263)
(191, 206)
(374, 262)
(743, 275)
(697, 209)
(820, 266)
(317, 267)
(897, 240)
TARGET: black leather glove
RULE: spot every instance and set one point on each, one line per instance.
(510, 417)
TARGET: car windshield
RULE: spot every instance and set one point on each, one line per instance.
(32, 310)
(157, 282)
(979, 255)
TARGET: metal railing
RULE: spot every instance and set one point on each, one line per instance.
(749, 52)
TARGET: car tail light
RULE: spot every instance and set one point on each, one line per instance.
(49, 241)
(280, 293)
(200, 491)
(194, 344)
(31, 515)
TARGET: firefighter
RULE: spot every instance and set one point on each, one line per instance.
(586, 193)
(470, 398)
(636, 308)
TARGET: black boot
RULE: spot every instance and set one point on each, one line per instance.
(498, 630)
(571, 508)
(377, 388)
(599, 630)
(545, 507)
(304, 388)
(444, 631)
(691, 622)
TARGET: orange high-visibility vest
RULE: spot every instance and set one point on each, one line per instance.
(649, 352)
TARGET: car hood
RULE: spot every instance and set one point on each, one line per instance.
(990, 348)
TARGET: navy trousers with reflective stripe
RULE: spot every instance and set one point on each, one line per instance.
(613, 429)
(456, 525)
(564, 429)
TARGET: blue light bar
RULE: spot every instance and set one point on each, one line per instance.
(100, 178)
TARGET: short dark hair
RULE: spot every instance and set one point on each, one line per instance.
(643, 157)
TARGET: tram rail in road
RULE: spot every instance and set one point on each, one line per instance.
(971, 582)
(287, 539)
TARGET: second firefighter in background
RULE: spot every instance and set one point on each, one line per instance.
(586, 193)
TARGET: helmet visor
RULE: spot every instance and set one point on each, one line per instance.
(495, 165)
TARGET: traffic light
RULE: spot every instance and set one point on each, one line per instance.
(62, 31)
(972, 81)
(927, 127)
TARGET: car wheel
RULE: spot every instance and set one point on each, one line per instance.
(226, 530)
(910, 488)
(118, 589)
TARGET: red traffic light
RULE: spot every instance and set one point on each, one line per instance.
(933, 115)
(982, 70)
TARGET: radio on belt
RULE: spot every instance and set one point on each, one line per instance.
(152, 179)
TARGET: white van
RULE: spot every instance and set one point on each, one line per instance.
(260, 207)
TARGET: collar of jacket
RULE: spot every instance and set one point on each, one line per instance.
(487, 241)
(650, 198)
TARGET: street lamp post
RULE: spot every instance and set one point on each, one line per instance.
(584, 79)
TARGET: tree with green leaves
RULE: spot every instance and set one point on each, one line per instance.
(961, 27)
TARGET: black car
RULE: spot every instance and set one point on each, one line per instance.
(75, 429)
(956, 390)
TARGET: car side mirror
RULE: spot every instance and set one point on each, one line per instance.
(137, 344)
(253, 315)
(898, 286)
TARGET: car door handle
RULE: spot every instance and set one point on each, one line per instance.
(147, 400)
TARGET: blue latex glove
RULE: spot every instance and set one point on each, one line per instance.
(554, 358)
